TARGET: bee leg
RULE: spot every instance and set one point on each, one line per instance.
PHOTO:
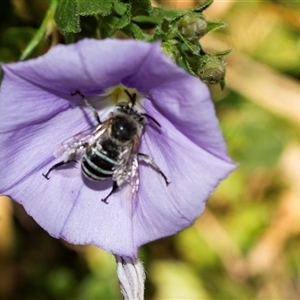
(114, 188)
(61, 163)
(89, 105)
(150, 161)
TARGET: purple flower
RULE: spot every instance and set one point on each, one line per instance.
(38, 113)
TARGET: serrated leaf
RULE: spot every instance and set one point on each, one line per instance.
(120, 8)
(134, 31)
(192, 46)
(215, 25)
(141, 7)
(93, 7)
(116, 21)
(125, 18)
(159, 33)
(202, 6)
(174, 15)
(158, 12)
(183, 63)
(67, 17)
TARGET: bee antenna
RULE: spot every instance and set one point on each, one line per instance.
(151, 118)
(131, 97)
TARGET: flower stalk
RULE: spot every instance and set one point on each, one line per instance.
(131, 277)
(47, 22)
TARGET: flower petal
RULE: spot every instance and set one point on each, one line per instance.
(181, 98)
(33, 122)
(88, 66)
(194, 174)
(38, 113)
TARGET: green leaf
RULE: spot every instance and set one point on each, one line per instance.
(117, 21)
(134, 31)
(68, 12)
(163, 30)
(215, 25)
(192, 46)
(146, 19)
(12, 41)
(183, 63)
(67, 17)
(158, 12)
(202, 6)
(141, 7)
(93, 7)
(125, 18)
(120, 8)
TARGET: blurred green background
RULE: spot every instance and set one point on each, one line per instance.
(246, 244)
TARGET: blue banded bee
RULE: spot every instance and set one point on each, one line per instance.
(111, 149)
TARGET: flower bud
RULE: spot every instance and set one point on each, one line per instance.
(193, 26)
(212, 69)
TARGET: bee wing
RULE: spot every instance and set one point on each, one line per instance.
(79, 141)
(73, 142)
(134, 179)
(128, 169)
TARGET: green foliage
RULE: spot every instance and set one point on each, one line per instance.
(179, 31)
(92, 7)
(140, 8)
(134, 31)
(124, 19)
(67, 17)
(59, 282)
(257, 138)
(182, 29)
(177, 280)
(215, 25)
(14, 41)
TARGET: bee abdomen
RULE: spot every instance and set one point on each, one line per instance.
(96, 165)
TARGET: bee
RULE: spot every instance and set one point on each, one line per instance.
(111, 149)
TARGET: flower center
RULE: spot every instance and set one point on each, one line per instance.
(121, 95)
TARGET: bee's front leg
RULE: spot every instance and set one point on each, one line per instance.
(89, 105)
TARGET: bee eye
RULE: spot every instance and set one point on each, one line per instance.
(123, 129)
